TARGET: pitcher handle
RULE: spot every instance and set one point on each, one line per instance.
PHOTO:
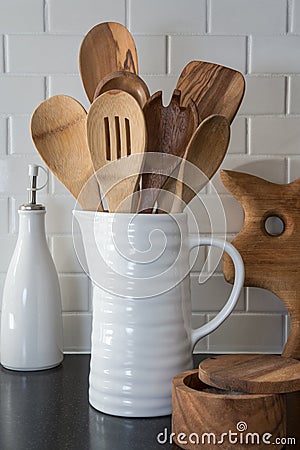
(213, 324)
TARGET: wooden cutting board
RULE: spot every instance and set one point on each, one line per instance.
(271, 262)
(254, 374)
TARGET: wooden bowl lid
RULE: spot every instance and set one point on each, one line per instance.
(254, 374)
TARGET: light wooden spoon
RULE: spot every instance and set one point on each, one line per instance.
(107, 47)
(116, 135)
(204, 154)
(58, 129)
(124, 81)
(215, 89)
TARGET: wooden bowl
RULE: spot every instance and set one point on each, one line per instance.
(202, 415)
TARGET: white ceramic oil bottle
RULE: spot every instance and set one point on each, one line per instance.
(31, 320)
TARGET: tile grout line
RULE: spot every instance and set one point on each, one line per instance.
(127, 13)
(168, 54)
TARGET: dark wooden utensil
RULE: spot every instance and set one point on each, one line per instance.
(107, 47)
(215, 89)
(169, 130)
(271, 262)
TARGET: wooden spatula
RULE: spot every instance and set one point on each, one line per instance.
(58, 129)
(116, 131)
(107, 47)
(215, 89)
(124, 81)
(169, 130)
(206, 150)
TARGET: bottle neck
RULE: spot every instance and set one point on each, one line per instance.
(32, 223)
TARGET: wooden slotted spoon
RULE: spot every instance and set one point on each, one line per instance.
(206, 151)
(58, 129)
(169, 129)
(107, 47)
(116, 131)
(215, 89)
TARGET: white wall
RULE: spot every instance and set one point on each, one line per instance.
(39, 42)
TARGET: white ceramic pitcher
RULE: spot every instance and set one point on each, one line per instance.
(141, 331)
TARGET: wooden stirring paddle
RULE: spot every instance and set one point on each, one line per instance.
(206, 150)
(116, 131)
(107, 47)
(169, 130)
(215, 89)
(58, 129)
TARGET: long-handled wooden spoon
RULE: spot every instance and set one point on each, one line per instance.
(215, 89)
(116, 131)
(169, 130)
(58, 129)
(205, 152)
(107, 47)
(124, 81)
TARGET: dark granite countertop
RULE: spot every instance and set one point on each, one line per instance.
(50, 410)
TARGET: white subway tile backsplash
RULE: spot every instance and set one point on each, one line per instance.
(4, 216)
(17, 16)
(238, 142)
(261, 300)
(1, 54)
(248, 17)
(294, 168)
(295, 17)
(197, 321)
(76, 16)
(152, 51)
(213, 294)
(275, 54)
(43, 53)
(20, 94)
(68, 85)
(77, 332)
(74, 292)
(294, 99)
(275, 135)
(248, 333)
(216, 214)
(21, 142)
(64, 255)
(3, 136)
(271, 168)
(150, 18)
(7, 245)
(264, 95)
(165, 83)
(225, 50)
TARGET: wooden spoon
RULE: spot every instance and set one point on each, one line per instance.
(169, 130)
(108, 47)
(205, 152)
(58, 129)
(215, 89)
(124, 81)
(116, 131)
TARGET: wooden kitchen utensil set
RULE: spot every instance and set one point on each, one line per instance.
(108, 148)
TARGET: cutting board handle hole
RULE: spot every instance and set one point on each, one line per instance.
(274, 225)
